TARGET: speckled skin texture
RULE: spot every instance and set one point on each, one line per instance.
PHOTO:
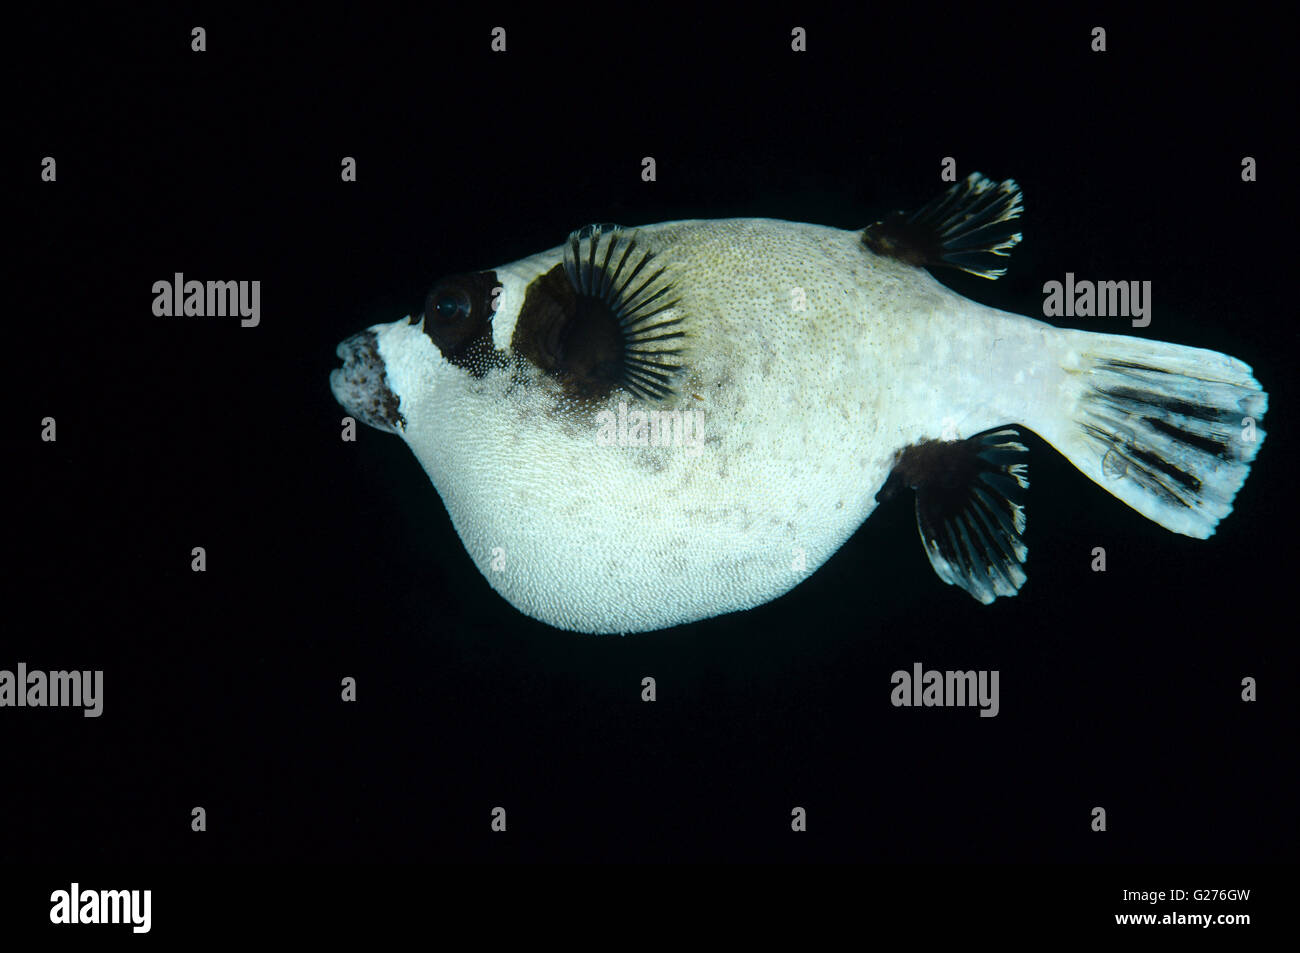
(803, 413)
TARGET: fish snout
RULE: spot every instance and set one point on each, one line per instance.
(361, 384)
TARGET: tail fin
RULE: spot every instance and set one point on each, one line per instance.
(1170, 430)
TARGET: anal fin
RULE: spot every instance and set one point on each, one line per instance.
(969, 508)
(969, 227)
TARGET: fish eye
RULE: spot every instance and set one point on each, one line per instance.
(449, 305)
(458, 320)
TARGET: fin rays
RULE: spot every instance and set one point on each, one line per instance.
(1170, 430)
(648, 369)
(965, 228)
(968, 509)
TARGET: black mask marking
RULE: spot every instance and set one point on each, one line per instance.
(458, 319)
(597, 321)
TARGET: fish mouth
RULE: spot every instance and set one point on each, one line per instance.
(361, 384)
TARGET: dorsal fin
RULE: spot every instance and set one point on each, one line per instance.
(968, 228)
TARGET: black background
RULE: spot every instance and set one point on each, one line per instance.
(329, 559)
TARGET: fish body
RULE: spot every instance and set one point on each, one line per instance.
(788, 378)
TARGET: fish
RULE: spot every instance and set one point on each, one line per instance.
(646, 427)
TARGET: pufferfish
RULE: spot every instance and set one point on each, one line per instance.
(646, 427)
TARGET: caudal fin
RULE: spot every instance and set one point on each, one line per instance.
(1170, 430)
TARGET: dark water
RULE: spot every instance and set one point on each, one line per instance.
(328, 560)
